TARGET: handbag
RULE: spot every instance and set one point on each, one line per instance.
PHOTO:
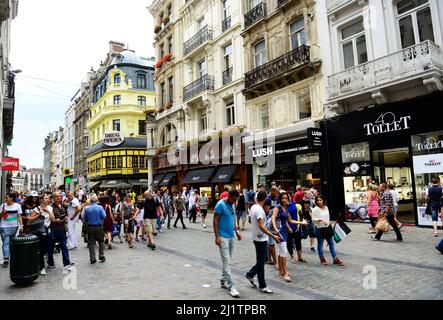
(382, 223)
(37, 227)
(327, 232)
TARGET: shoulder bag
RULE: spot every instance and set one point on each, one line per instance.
(327, 232)
(37, 227)
(382, 223)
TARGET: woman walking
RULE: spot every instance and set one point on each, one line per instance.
(323, 230)
(128, 218)
(108, 222)
(241, 210)
(179, 207)
(203, 203)
(280, 222)
(28, 206)
(373, 207)
(295, 211)
(40, 221)
(11, 220)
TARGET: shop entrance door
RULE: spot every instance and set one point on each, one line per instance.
(393, 166)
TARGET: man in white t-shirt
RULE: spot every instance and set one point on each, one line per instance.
(74, 210)
(260, 236)
(80, 194)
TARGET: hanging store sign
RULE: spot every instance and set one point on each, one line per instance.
(10, 164)
(387, 122)
(315, 138)
(113, 138)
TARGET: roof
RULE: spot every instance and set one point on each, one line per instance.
(130, 57)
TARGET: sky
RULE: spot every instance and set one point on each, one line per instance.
(55, 43)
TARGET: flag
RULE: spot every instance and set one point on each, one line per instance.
(341, 230)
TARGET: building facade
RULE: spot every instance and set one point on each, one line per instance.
(69, 144)
(384, 90)
(198, 81)
(284, 91)
(8, 12)
(34, 180)
(122, 96)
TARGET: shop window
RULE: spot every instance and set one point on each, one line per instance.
(354, 45)
(304, 106)
(415, 22)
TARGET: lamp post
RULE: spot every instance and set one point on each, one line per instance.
(150, 135)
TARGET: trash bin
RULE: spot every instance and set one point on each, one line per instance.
(24, 256)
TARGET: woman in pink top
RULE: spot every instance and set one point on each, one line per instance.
(373, 207)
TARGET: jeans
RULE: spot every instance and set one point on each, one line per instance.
(42, 248)
(7, 233)
(193, 214)
(261, 252)
(226, 248)
(435, 212)
(168, 216)
(320, 241)
(393, 225)
(159, 223)
(58, 237)
(179, 217)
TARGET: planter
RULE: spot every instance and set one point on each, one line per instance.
(167, 57)
(159, 64)
(168, 105)
(157, 29)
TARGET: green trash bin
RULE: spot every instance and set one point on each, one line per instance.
(24, 256)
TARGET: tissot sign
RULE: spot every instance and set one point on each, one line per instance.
(386, 123)
(430, 163)
(113, 138)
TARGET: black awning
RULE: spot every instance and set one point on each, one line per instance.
(168, 179)
(198, 176)
(224, 174)
(158, 178)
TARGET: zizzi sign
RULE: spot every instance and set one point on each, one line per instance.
(113, 138)
(387, 122)
(429, 144)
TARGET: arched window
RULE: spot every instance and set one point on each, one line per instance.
(117, 79)
(169, 135)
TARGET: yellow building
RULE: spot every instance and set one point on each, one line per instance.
(117, 125)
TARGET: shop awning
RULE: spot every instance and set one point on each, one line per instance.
(93, 184)
(168, 179)
(157, 179)
(123, 185)
(110, 184)
(199, 176)
(140, 183)
(224, 174)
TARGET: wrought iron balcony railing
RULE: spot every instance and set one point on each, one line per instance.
(201, 37)
(255, 14)
(277, 66)
(388, 70)
(226, 24)
(281, 3)
(227, 76)
(202, 84)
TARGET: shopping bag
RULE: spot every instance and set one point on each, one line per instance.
(382, 224)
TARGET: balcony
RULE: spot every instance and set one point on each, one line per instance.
(226, 24)
(203, 36)
(227, 76)
(424, 60)
(255, 14)
(280, 3)
(205, 83)
(286, 69)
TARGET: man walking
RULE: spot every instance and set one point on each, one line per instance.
(386, 207)
(224, 227)
(179, 206)
(58, 232)
(74, 209)
(434, 196)
(94, 216)
(260, 236)
(150, 206)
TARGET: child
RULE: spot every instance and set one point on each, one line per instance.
(117, 227)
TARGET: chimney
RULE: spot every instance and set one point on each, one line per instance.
(116, 48)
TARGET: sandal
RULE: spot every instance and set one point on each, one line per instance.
(302, 260)
(293, 260)
(287, 278)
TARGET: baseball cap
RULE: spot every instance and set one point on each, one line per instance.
(34, 194)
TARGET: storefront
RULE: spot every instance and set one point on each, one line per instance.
(296, 162)
(395, 143)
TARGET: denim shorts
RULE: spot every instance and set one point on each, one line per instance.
(271, 241)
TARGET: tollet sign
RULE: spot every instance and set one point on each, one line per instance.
(10, 164)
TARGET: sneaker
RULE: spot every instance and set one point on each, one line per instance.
(51, 266)
(224, 285)
(251, 280)
(69, 266)
(175, 227)
(43, 272)
(93, 261)
(161, 231)
(338, 262)
(102, 259)
(323, 261)
(5, 261)
(204, 226)
(234, 293)
(400, 240)
(137, 239)
(375, 238)
(153, 247)
(266, 290)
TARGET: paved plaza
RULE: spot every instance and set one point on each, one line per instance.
(186, 266)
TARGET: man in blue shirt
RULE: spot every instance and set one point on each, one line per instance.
(224, 228)
(94, 216)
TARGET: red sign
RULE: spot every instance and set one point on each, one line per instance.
(10, 164)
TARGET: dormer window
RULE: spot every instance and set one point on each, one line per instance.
(117, 79)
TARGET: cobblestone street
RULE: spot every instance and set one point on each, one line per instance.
(186, 265)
